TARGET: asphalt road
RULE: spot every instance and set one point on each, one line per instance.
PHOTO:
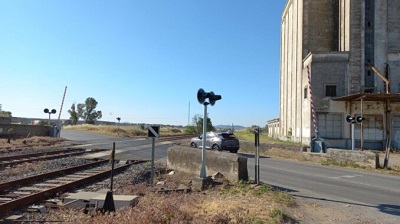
(327, 183)
(302, 179)
(126, 148)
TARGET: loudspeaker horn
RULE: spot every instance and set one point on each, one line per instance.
(214, 98)
(46, 111)
(201, 96)
(359, 119)
(349, 118)
(211, 98)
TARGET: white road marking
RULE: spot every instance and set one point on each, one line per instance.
(347, 176)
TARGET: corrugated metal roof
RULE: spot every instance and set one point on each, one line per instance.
(393, 97)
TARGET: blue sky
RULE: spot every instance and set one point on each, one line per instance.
(143, 61)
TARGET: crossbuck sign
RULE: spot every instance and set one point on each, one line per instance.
(153, 132)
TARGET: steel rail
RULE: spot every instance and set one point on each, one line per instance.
(176, 137)
(46, 157)
(47, 193)
(27, 155)
(36, 154)
(31, 179)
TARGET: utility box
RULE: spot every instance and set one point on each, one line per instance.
(318, 145)
(54, 131)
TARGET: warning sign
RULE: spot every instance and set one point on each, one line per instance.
(153, 132)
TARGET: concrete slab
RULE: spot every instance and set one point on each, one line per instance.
(76, 177)
(57, 181)
(99, 154)
(22, 192)
(120, 201)
(2, 199)
(13, 218)
(68, 178)
(30, 189)
(47, 185)
(99, 198)
(76, 204)
(93, 171)
(82, 195)
(104, 190)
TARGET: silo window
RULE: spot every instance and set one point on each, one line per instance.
(305, 92)
(330, 90)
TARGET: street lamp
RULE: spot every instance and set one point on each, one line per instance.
(119, 119)
(201, 97)
(47, 111)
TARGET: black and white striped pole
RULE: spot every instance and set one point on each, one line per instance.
(257, 154)
(153, 132)
(109, 205)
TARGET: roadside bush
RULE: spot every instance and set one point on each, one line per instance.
(174, 130)
(190, 130)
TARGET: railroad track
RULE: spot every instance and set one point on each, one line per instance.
(20, 193)
(40, 156)
(176, 137)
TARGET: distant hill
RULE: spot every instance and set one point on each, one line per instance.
(236, 127)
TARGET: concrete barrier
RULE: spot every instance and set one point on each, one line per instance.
(188, 160)
(360, 157)
(23, 131)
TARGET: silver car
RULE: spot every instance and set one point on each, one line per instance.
(217, 141)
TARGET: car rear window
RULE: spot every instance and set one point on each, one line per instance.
(227, 135)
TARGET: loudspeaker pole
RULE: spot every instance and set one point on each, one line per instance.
(201, 97)
(203, 173)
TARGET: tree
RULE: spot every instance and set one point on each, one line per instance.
(198, 123)
(73, 114)
(88, 111)
(195, 120)
(5, 113)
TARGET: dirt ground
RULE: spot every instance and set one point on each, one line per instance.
(29, 143)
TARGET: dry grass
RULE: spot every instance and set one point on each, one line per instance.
(35, 141)
(123, 130)
(22, 168)
(224, 203)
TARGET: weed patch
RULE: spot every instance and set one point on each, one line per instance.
(279, 216)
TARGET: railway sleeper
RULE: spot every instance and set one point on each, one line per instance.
(39, 191)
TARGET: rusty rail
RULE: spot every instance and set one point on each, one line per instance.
(21, 202)
(28, 180)
(32, 157)
(5, 158)
(176, 137)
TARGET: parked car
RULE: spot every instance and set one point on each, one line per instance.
(217, 141)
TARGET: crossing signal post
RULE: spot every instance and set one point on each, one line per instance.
(47, 111)
(353, 120)
(119, 120)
